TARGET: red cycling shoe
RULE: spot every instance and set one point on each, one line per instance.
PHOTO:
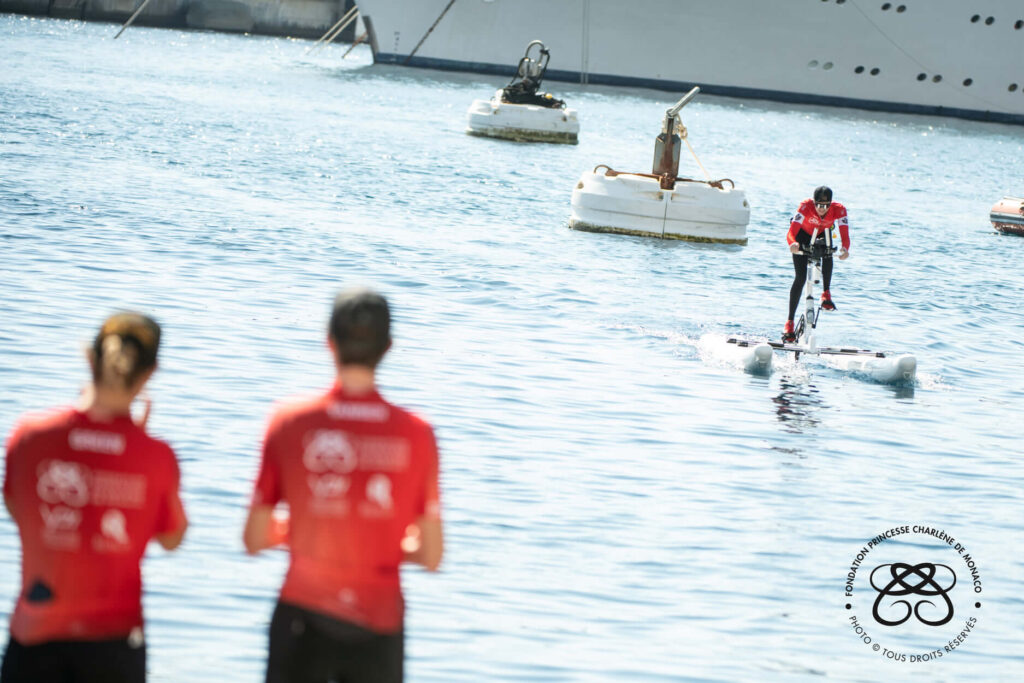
(826, 301)
(788, 335)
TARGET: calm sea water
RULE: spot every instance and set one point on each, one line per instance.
(621, 503)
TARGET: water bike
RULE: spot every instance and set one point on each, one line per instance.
(520, 112)
(880, 366)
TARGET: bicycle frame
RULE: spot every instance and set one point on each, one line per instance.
(808, 322)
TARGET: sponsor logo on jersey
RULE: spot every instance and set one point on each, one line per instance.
(378, 501)
(59, 518)
(327, 485)
(358, 411)
(96, 441)
(73, 484)
(62, 482)
(329, 450)
(121, 489)
(114, 526)
(378, 490)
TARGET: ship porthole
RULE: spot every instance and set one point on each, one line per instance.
(968, 81)
(901, 8)
(921, 77)
(826, 66)
(975, 18)
(812, 64)
(1013, 87)
(875, 71)
(936, 78)
(859, 70)
(1019, 24)
(989, 21)
(886, 6)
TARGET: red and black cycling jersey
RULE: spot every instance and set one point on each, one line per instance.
(808, 220)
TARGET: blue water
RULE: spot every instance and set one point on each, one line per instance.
(621, 503)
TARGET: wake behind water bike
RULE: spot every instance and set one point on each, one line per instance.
(756, 355)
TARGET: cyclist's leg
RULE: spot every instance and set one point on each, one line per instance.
(799, 279)
(826, 272)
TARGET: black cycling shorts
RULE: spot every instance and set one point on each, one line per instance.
(310, 647)
(75, 661)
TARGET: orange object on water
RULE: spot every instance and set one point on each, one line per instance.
(1007, 215)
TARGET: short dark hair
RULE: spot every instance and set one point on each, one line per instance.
(360, 327)
(823, 194)
(125, 347)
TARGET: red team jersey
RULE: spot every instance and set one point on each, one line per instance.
(355, 472)
(87, 497)
(807, 219)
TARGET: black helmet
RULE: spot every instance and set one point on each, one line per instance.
(823, 194)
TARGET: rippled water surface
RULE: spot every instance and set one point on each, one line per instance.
(622, 503)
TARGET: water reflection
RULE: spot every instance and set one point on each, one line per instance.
(797, 405)
(902, 390)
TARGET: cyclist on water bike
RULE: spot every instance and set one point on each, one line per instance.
(821, 214)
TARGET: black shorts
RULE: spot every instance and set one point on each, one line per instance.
(74, 661)
(310, 647)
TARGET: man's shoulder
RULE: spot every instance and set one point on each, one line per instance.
(840, 209)
(295, 409)
(413, 420)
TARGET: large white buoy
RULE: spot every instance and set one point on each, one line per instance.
(661, 204)
(520, 112)
(637, 204)
(522, 122)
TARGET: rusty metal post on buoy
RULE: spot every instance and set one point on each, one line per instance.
(666, 146)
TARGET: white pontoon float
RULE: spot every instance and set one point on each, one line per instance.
(754, 356)
(879, 366)
(520, 112)
(660, 203)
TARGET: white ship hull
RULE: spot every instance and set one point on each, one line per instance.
(930, 58)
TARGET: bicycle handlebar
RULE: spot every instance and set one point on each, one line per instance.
(817, 250)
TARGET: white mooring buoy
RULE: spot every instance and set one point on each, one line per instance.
(520, 112)
(660, 203)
